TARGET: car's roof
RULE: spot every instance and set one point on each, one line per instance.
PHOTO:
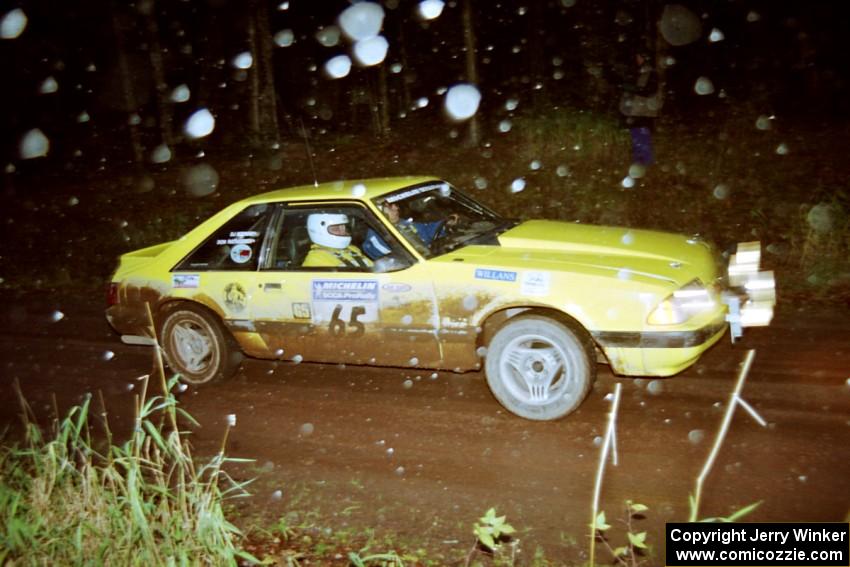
(364, 189)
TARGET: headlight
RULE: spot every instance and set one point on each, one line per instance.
(683, 304)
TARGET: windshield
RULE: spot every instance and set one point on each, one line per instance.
(435, 218)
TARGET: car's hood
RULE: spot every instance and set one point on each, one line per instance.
(661, 254)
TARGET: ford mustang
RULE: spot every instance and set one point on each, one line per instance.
(412, 272)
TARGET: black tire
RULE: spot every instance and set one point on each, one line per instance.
(197, 347)
(539, 368)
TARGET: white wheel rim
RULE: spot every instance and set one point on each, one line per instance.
(536, 370)
(192, 345)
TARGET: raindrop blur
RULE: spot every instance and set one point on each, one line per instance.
(637, 170)
(73, 201)
(824, 217)
(161, 154)
(358, 190)
(462, 101)
(421, 102)
(34, 144)
(328, 36)
(277, 495)
(57, 316)
(434, 376)
(400, 471)
(782, 149)
(180, 93)
(338, 67)
(481, 351)
(362, 20)
(430, 9)
(721, 191)
(396, 68)
(562, 171)
(517, 185)
(182, 387)
(200, 124)
(283, 6)
(628, 238)
(407, 320)
(696, 436)
(679, 25)
(413, 361)
(470, 302)
(568, 3)
(201, 180)
(371, 51)
(703, 86)
(408, 384)
(108, 355)
(284, 38)
(753, 16)
(297, 358)
(763, 122)
(627, 182)
(13, 24)
(244, 60)
(83, 117)
(716, 35)
(231, 419)
(48, 85)
(655, 387)
(535, 165)
(511, 104)
(480, 183)
(597, 441)
(505, 126)
(306, 429)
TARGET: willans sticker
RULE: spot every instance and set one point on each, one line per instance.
(241, 254)
(185, 281)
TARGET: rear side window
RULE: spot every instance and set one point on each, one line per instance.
(233, 247)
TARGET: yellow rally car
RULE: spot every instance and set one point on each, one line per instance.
(411, 272)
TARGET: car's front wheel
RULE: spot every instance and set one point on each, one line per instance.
(196, 346)
(539, 368)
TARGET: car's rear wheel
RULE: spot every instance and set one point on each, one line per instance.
(196, 346)
(539, 368)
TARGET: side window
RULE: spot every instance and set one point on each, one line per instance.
(235, 246)
(330, 238)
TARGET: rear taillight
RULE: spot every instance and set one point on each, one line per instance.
(112, 294)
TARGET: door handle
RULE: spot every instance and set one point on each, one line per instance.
(272, 287)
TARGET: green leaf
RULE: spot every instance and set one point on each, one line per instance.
(735, 516)
(600, 524)
(487, 540)
(507, 529)
(638, 540)
(638, 508)
(621, 551)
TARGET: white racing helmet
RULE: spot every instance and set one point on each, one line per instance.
(319, 228)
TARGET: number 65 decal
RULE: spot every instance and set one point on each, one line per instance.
(337, 326)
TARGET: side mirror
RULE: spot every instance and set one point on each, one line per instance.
(392, 262)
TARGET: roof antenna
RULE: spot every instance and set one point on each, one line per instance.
(309, 152)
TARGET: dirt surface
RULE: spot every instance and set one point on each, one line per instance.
(420, 456)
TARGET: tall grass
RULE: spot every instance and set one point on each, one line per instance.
(142, 502)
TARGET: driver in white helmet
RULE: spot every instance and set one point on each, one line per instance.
(331, 243)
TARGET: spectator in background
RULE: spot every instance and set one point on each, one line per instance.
(640, 104)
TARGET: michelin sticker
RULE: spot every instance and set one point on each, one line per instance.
(345, 300)
(534, 283)
(241, 254)
(498, 275)
(185, 281)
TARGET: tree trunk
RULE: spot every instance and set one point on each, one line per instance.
(263, 119)
(130, 104)
(163, 106)
(474, 137)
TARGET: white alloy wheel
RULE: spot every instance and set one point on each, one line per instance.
(539, 368)
(196, 346)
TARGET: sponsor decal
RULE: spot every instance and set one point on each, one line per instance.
(395, 287)
(415, 191)
(301, 310)
(345, 290)
(241, 253)
(239, 237)
(498, 275)
(235, 297)
(535, 283)
(185, 281)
